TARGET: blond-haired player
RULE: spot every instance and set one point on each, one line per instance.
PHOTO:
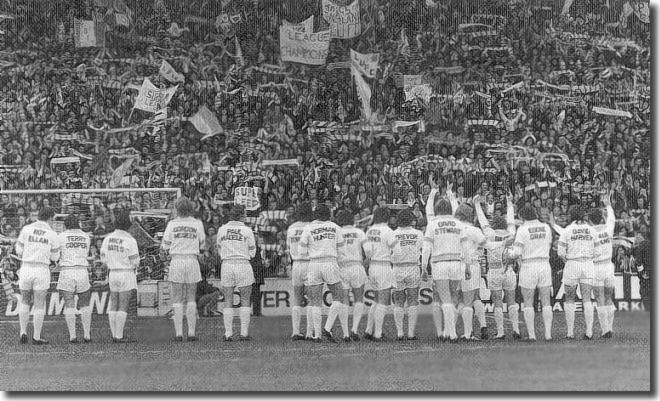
(184, 239)
(74, 277)
(501, 277)
(532, 245)
(236, 246)
(299, 265)
(322, 238)
(37, 246)
(603, 266)
(351, 266)
(406, 255)
(119, 252)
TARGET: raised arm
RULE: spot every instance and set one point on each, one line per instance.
(610, 219)
(483, 221)
(452, 199)
(510, 214)
(430, 202)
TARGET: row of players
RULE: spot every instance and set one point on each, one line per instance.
(344, 258)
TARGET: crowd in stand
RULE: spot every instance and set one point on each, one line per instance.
(511, 109)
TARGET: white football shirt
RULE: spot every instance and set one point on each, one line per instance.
(236, 242)
(293, 236)
(38, 243)
(321, 239)
(379, 243)
(75, 246)
(184, 236)
(533, 240)
(446, 235)
(119, 251)
(577, 242)
(353, 238)
(407, 246)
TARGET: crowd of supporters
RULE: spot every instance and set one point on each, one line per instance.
(512, 109)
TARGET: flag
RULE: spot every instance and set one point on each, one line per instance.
(120, 172)
(175, 31)
(123, 19)
(625, 13)
(404, 46)
(88, 33)
(364, 92)
(168, 72)
(367, 64)
(567, 7)
(239, 54)
(206, 122)
(151, 98)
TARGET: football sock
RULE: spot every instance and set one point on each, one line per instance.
(398, 320)
(437, 318)
(610, 321)
(333, 312)
(547, 321)
(23, 316)
(379, 318)
(86, 318)
(70, 319)
(449, 311)
(191, 317)
(529, 321)
(602, 317)
(245, 319)
(370, 319)
(178, 319)
(358, 310)
(121, 321)
(111, 320)
(38, 321)
(569, 312)
(309, 332)
(412, 320)
(468, 314)
(343, 319)
(228, 318)
(318, 320)
(480, 312)
(498, 313)
(514, 316)
(588, 307)
(296, 315)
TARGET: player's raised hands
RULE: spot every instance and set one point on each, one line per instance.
(432, 183)
(606, 198)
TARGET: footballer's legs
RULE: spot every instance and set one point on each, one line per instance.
(228, 311)
(528, 311)
(245, 310)
(412, 297)
(480, 313)
(399, 303)
(315, 293)
(609, 304)
(70, 313)
(498, 312)
(569, 309)
(468, 313)
(122, 313)
(24, 313)
(297, 311)
(384, 298)
(177, 306)
(587, 307)
(85, 313)
(544, 295)
(309, 321)
(358, 310)
(513, 310)
(190, 291)
(38, 313)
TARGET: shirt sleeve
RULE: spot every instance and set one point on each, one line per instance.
(452, 200)
(252, 246)
(218, 238)
(339, 237)
(518, 243)
(55, 246)
(202, 235)
(562, 244)
(104, 250)
(610, 220)
(20, 242)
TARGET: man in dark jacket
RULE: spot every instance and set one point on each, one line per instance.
(258, 270)
(642, 254)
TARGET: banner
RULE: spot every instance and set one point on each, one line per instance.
(304, 47)
(612, 112)
(281, 162)
(411, 80)
(168, 72)
(366, 64)
(206, 122)
(88, 33)
(151, 98)
(120, 172)
(423, 92)
(250, 197)
(344, 20)
(306, 26)
(364, 92)
(65, 160)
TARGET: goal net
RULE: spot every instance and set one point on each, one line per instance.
(151, 209)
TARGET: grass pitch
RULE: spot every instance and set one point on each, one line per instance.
(271, 362)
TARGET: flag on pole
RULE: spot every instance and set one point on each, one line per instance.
(168, 72)
(88, 33)
(151, 98)
(364, 92)
(206, 122)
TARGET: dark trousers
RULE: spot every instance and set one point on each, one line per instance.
(255, 299)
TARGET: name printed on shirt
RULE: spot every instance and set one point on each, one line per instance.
(447, 227)
(536, 233)
(321, 233)
(116, 244)
(38, 236)
(185, 232)
(75, 241)
(233, 235)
